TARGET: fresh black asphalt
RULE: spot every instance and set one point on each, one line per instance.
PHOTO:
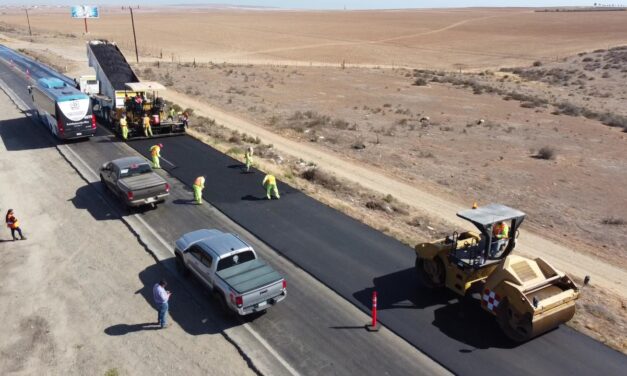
(353, 259)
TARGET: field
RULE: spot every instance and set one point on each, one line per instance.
(487, 105)
(434, 39)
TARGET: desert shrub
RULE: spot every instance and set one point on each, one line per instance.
(235, 138)
(537, 63)
(568, 109)
(614, 221)
(422, 81)
(340, 124)
(528, 105)
(586, 59)
(190, 111)
(614, 120)
(547, 153)
(326, 180)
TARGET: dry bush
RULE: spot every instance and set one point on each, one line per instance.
(387, 204)
(322, 178)
(547, 153)
(422, 81)
(614, 221)
(300, 121)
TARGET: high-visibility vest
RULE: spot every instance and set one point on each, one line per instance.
(123, 122)
(12, 222)
(269, 179)
(146, 121)
(200, 182)
(501, 231)
(154, 150)
(248, 155)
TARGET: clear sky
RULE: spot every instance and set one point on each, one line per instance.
(329, 4)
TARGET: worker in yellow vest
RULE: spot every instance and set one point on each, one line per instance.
(147, 127)
(199, 185)
(269, 182)
(124, 127)
(500, 235)
(155, 153)
(248, 158)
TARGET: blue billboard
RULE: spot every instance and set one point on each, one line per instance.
(85, 11)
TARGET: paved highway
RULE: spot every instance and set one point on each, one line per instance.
(351, 259)
(315, 331)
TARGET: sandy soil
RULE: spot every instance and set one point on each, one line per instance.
(75, 293)
(469, 38)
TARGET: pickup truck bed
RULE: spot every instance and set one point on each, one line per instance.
(249, 276)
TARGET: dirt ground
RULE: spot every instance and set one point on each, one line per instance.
(429, 38)
(66, 308)
(567, 172)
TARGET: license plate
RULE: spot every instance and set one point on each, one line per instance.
(262, 304)
(79, 133)
(151, 199)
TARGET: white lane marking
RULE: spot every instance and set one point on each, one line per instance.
(95, 178)
(165, 160)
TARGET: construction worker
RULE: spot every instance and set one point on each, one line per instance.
(147, 127)
(124, 127)
(269, 182)
(199, 185)
(171, 114)
(500, 233)
(14, 225)
(155, 153)
(248, 158)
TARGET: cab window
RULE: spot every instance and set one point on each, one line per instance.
(235, 259)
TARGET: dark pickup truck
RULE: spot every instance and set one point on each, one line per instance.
(133, 180)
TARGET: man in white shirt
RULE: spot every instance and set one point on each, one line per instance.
(161, 296)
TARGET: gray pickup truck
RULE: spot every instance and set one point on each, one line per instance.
(241, 282)
(134, 182)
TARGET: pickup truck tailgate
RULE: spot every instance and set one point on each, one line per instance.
(145, 185)
(255, 280)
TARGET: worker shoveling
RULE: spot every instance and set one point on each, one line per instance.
(130, 108)
(528, 297)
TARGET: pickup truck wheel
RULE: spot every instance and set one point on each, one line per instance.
(224, 307)
(180, 267)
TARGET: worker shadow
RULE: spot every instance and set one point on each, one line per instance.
(191, 305)
(254, 198)
(181, 201)
(461, 319)
(24, 133)
(123, 329)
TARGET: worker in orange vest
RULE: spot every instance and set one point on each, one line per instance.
(198, 186)
(155, 153)
(13, 224)
(269, 182)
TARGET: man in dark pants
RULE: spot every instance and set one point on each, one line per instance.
(161, 296)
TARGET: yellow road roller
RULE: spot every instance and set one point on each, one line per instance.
(527, 297)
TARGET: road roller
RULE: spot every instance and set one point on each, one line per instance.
(527, 297)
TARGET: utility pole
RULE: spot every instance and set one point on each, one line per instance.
(85, 19)
(134, 36)
(28, 20)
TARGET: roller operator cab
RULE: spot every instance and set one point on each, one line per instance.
(527, 297)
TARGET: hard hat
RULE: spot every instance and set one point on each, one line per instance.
(474, 205)
(160, 145)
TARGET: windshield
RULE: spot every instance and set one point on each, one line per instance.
(238, 258)
(135, 169)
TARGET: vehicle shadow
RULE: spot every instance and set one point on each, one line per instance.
(191, 305)
(24, 133)
(88, 198)
(461, 319)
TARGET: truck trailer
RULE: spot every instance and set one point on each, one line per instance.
(121, 93)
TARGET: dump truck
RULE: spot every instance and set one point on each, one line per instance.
(528, 297)
(120, 92)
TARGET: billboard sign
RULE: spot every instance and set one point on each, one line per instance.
(85, 11)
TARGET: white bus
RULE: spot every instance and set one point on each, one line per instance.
(65, 110)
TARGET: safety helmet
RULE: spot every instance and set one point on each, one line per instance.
(160, 145)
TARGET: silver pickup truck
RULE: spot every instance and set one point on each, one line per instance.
(133, 180)
(240, 281)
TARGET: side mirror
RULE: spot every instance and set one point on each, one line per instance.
(96, 107)
(104, 167)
